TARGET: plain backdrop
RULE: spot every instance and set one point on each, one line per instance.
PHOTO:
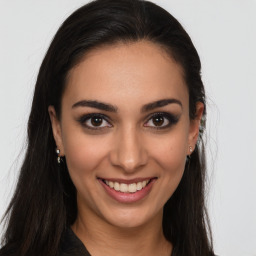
(224, 33)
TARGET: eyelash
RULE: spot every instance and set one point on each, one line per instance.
(171, 119)
(88, 117)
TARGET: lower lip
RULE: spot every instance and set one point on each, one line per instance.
(123, 197)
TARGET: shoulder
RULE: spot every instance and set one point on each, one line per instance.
(71, 245)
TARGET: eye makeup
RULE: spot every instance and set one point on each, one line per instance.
(161, 120)
(95, 121)
(156, 121)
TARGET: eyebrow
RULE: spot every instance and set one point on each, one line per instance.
(111, 108)
(160, 103)
(95, 104)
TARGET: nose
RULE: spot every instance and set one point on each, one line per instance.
(129, 152)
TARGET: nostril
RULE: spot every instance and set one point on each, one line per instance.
(128, 152)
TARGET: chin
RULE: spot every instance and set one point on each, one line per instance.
(131, 218)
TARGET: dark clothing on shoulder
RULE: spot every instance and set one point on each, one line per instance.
(71, 245)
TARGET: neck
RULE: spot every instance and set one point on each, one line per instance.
(101, 238)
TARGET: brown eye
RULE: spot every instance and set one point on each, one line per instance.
(161, 120)
(158, 120)
(96, 121)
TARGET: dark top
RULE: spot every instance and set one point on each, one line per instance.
(71, 245)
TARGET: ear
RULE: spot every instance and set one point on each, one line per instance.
(56, 129)
(194, 127)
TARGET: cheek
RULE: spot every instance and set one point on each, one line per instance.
(170, 154)
(83, 153)
(172, 163)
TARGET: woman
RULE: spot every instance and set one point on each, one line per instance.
(115, 159)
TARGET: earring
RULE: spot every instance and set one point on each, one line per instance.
(189, 156)
(58, 157)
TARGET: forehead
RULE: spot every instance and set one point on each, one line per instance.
(124, 73)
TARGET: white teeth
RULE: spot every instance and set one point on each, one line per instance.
(131, 188)
(111, 184)
(139, 186)
(116, 186)
(123, 187)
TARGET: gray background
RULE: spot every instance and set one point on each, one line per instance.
(224, 34)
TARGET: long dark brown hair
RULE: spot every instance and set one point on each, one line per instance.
(44, 202)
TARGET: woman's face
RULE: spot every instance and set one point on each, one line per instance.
(125, 132)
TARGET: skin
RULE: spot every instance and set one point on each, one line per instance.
(127, 145)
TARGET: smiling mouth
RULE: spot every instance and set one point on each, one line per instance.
(127, 188)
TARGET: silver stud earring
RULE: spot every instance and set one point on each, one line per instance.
(189, 156)
(58, 157)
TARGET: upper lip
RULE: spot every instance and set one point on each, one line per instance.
(126, 181)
